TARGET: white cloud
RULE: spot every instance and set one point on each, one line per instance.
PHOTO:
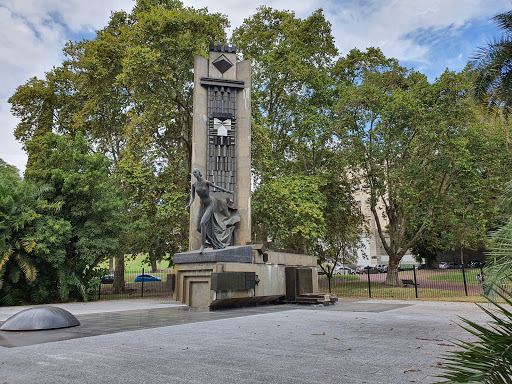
(386, 24)
(32, 36)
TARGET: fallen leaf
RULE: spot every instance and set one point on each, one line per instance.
(335, 338)
(318, 334)
(413, 370)
(390, 329)
(420, 338)
(446, 345)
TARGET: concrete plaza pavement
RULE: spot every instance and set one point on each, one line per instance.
(161, 341)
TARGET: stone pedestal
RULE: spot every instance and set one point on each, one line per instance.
(239, 276)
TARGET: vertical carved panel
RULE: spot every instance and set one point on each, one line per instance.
(221, 157)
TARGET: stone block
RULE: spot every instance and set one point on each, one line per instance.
(230, 254)
(233, 281)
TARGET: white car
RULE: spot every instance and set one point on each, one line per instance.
(343, 271)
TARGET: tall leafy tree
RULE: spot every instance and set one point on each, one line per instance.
(411, 144)
(290, 93)
(91, 205)
(291, 130)
(129, 90)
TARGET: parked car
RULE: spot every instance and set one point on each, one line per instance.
(366, 270)
(449, 265)
(421, 266)
(107, 279)
(344, 271)
(477, 264)
(382, 268)
(146, 277)
(320, 271)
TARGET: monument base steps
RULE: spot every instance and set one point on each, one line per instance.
(245, 275)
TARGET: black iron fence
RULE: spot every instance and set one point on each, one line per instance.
(413, 283)
(135, 284)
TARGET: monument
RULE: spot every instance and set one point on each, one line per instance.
(222, 267)
(221, 137)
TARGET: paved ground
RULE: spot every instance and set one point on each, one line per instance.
(159, 341)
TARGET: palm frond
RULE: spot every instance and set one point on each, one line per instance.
(504, 22)
(487, 359)
(29, 270)
(500, 256)
(492, 68)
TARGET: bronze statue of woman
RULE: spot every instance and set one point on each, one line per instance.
(205, 218)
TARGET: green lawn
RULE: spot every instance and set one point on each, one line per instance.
(136, 264)
(456, 276)
(359, 289)
(341, 277)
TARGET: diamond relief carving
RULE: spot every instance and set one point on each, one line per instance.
(222, 63)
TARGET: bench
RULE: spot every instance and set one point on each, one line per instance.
(407, 282)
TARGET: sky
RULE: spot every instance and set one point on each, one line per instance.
(427, 35)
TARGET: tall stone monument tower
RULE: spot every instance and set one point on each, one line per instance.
(221, 138)
(217, 277)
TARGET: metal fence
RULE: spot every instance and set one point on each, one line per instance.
(414, 283)
(138, 283)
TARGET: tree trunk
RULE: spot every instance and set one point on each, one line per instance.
(111, 264)
(153, 265)
(119, 275)
(392, 275)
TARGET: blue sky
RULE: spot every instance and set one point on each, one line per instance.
(427, 35)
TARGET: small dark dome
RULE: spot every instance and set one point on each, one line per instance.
(38, 318)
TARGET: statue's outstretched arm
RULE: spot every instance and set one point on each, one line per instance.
(192, 196)
(219, 188)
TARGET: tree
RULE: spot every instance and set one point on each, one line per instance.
(295, 169)
(344, 230)
(29, 231)
(290, 90)
(91, 206)
(289, 211)
(129, 91)
(410, 144)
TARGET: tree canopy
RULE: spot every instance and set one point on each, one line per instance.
(416, 148)
(129, 91)
(108, 134)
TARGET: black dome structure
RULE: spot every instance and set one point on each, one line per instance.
(40, 318)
